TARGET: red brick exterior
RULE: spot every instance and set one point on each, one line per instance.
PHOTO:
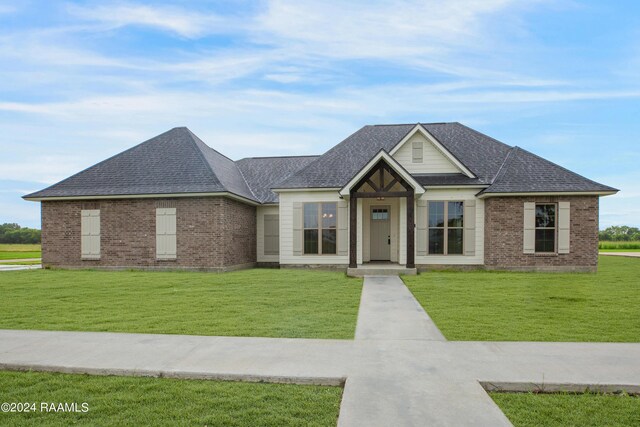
(504, 233)
(214, 233)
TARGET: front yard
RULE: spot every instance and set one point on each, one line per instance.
(310, 304)
(170, 402)
(505, 306)
(256, 303)
(563, 409)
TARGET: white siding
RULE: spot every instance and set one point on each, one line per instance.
(261, 211)
(287, 199)
(90, 233)
(464, 195)
(166, 233)
(433, 161)
(398, 227)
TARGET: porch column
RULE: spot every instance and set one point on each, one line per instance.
(353, 230)
(410, 232)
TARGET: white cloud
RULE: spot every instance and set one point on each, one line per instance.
(179, 21)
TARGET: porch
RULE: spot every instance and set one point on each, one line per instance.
(382, 219)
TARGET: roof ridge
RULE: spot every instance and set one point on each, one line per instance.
(413, 124)
(279, 157)
(504, 164)
(100, 162)
(484, 135)
(193, 137)
(247, 182)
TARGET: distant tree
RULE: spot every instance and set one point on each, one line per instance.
(13, 233)
(620, 233)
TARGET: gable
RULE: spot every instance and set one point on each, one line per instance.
(382, 156)
(419, 155)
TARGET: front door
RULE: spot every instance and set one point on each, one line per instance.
(380, 234)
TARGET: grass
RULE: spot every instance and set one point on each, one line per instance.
(619, 246)
(562, 409)
(19, 251)
(259, 302)
(509, 306)
(170, 402)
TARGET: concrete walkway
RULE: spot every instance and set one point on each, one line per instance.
(398, 371)
(389, 311)
(628, 254)
(9, 261)
(12, 267)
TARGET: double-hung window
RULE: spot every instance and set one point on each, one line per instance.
(320, 231)
(446, 228)
(546, 227)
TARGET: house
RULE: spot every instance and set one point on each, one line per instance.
(417, 195)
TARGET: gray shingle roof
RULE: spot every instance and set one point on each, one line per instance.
(524, 172)
(341, 163)
(262, 173)
(174, 162)
(487, 158)
(177, 161)
(479, 153)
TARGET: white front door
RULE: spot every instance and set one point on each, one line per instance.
(380, 233)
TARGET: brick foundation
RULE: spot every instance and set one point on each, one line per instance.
(503, 243)
(213, 233)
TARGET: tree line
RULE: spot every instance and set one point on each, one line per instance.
(620, 233)
(13, 233)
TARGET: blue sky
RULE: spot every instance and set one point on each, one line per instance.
(81, 81)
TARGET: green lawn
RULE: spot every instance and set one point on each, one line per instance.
(171, 402)
(19, 251)
(579, 410)
(508, 306)
(259, 302)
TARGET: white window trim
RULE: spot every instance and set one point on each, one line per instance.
(319, 228)
(446, 228)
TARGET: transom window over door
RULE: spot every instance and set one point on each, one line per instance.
(319, 236)
(446, 228)
(546, 228)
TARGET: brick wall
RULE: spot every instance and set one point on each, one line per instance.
(211, 233)
(504, 231)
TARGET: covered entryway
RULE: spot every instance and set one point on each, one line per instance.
(381, 213)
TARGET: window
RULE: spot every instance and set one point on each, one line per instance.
(380, 214)
(166, 233)
(546, 228)
(416, 151)
(446, 228)
(319, 235)
(271, 235)
(90, 233)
